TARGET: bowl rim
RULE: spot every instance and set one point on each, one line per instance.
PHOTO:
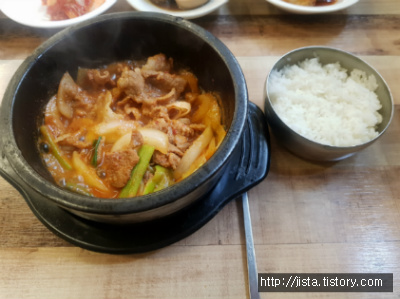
(343, 52)
(142, 203)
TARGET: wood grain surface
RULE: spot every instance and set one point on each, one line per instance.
(341, 217)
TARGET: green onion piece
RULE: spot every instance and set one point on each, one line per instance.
(96, 151)
(78, 189)
(149, 187)
(132, 187)
(166, 178)
(157, 182)
(54, 148)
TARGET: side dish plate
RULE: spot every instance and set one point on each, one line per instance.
(210, 6)
(300, 9)
(32, 13)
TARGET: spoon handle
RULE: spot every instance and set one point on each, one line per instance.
(251, 256)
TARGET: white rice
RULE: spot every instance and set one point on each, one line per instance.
(325, 104)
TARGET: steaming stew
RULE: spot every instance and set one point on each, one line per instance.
(129, 128)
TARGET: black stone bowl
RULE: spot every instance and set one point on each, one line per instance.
(105, 39)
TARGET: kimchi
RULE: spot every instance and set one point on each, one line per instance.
(69, 9)
(129, 128)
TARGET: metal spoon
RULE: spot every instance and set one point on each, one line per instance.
(251, 256)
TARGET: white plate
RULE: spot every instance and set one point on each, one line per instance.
(146, 5)
(300, 9)
(33, 13)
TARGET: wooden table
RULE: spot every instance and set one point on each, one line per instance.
(339, 217)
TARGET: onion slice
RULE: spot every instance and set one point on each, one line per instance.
(104, 112)
(122, 142)
(182, 108)
(193, 152)
(88, 173)
(115, 129)
(65, 95)
(155, 138)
